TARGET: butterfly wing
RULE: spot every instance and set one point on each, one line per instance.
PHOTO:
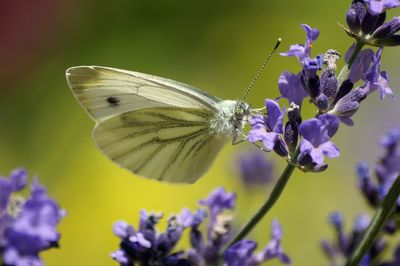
(105, 92)
(155, 127)
(164, 143)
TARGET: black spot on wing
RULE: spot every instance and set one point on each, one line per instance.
(113, 101)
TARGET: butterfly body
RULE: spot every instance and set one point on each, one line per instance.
(155, 127)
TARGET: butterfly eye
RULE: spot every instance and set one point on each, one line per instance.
(242, 109)
(239, 111)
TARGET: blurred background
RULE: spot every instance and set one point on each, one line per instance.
(214, 45)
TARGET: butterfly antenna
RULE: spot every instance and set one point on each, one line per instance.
(260, 70)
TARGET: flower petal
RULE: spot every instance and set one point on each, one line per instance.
(330, 150)
(310, 130)
(291, 88)
(297, 50)
(361, 65)
(317, 155)
(269, 140)
(331, 123)
(274, 116)
(376, 7)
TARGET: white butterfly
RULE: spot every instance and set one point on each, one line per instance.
(156, 127)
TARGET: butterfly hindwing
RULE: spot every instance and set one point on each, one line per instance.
(164, 143)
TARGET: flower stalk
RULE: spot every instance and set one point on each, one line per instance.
(270, 202)
(378, 221)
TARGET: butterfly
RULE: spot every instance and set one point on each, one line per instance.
(156, 127)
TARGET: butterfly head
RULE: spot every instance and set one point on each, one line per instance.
(242, 113)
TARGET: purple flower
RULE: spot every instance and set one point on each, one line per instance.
(30, 228)
(218, 201)
(316, 133)
(366, 185)
(274, 248)
(360, 65)
(312, 65)
(121, 257)
(254, 168)
(267, 129)
(377, 80)
(386, 170)
(361, 223)
(303, 51)
(376, 7)
(291, 88)
(242, 252)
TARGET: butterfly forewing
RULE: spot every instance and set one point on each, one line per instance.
(105, 92)
(165, 143)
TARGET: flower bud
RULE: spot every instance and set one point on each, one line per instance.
(349, 104)
(291, 135)
(329, 85)
(281, 148)
(294, 113)
(322, 102)
(344, 89)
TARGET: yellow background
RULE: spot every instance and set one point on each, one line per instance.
(214, 45)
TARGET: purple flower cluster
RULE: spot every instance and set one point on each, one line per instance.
(386, 171)
(146, 246)
(339, 250)
(282, 137)
(366, 22)
(26, 227)
(333, 95)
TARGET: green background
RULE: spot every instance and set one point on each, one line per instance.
(214, 45)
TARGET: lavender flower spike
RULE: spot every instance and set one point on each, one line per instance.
(316, 133)
(376, 7)
(267, 129)
(274, 248)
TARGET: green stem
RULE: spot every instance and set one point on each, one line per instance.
(269, 203)
(344, 73)
(379, 220)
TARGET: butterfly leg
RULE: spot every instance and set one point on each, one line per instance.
(236, 140)
(238, 137)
